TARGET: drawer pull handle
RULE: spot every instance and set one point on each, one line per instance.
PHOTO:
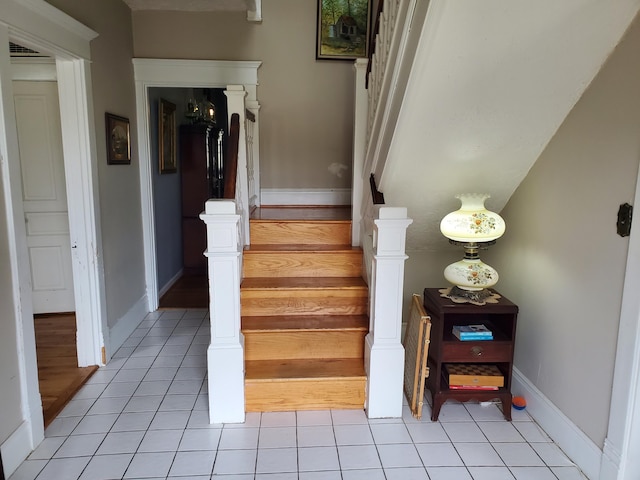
(476, 351)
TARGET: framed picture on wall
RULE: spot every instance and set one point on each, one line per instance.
(167, 137)
(118, 140)
(343, 29)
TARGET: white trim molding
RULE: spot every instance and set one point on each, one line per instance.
(165, 288)
(149, 72)
(621, 460)
(254, 10)
(196, 73)
(16, 448)
(38, 25)
(308, 196)
(578, 447)
(125, 326)
(34, 69)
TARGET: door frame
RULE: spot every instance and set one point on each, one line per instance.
(150, 73)
(42, 27)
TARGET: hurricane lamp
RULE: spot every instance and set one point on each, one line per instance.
(473, 227)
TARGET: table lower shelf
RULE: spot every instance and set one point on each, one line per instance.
(464, 395)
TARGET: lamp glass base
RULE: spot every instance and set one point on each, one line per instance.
(476, 297)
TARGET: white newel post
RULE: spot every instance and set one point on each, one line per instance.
(384, 353)
(225, 355)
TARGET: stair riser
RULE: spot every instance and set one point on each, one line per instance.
(294, 302)
(287, 395)
(300, 345)
(307, 264)
(305, 233)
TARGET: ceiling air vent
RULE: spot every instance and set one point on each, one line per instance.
(20, 51)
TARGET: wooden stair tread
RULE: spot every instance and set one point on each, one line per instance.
(257, 324)
(306, 248)
(304, 369)
(303, 283)
(337, 213)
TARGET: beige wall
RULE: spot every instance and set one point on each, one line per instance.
(10, 413)
(119, 185)
(561, 259)
(306, 110)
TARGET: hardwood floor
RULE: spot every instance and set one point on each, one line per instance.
(58, 373)
(190, 291)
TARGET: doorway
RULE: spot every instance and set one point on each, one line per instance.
(43, 28)
(44, 202)
(44, 195)
(162, 73)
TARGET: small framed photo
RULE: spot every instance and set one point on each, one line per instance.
(167, 137)
(118, 140)
(343, 29)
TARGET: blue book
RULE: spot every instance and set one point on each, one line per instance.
(475, 338)
(475, 330)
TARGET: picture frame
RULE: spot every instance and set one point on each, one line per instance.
(168, 162)
(343, 29)
(118, 140)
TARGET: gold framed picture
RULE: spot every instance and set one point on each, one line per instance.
(167, 137)
(118, 140)
(342, 32)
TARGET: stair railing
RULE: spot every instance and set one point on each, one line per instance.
(227, 222)
(379, 92)
(381, 229)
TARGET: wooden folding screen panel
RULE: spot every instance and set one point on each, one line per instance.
(416, 348)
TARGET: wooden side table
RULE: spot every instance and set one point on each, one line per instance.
(445, 348)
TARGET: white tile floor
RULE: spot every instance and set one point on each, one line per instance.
(145, 416)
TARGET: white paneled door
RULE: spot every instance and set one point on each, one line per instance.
(44, 195)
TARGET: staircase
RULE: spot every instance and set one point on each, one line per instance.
(304, 311)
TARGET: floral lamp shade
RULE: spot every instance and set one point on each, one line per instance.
(473, 227)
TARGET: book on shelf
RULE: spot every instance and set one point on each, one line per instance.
(474, 387)
(478, 329)
(471, 336)
(472, 332)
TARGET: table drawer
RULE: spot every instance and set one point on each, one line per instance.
(489, 351)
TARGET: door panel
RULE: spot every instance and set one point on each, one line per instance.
(44, 195)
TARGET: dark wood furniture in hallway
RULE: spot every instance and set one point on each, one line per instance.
(58, 373)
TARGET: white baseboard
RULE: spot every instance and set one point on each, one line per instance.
(575, 444)
(170, 283)
(16, 448)
(125, 326)
(311, 196)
